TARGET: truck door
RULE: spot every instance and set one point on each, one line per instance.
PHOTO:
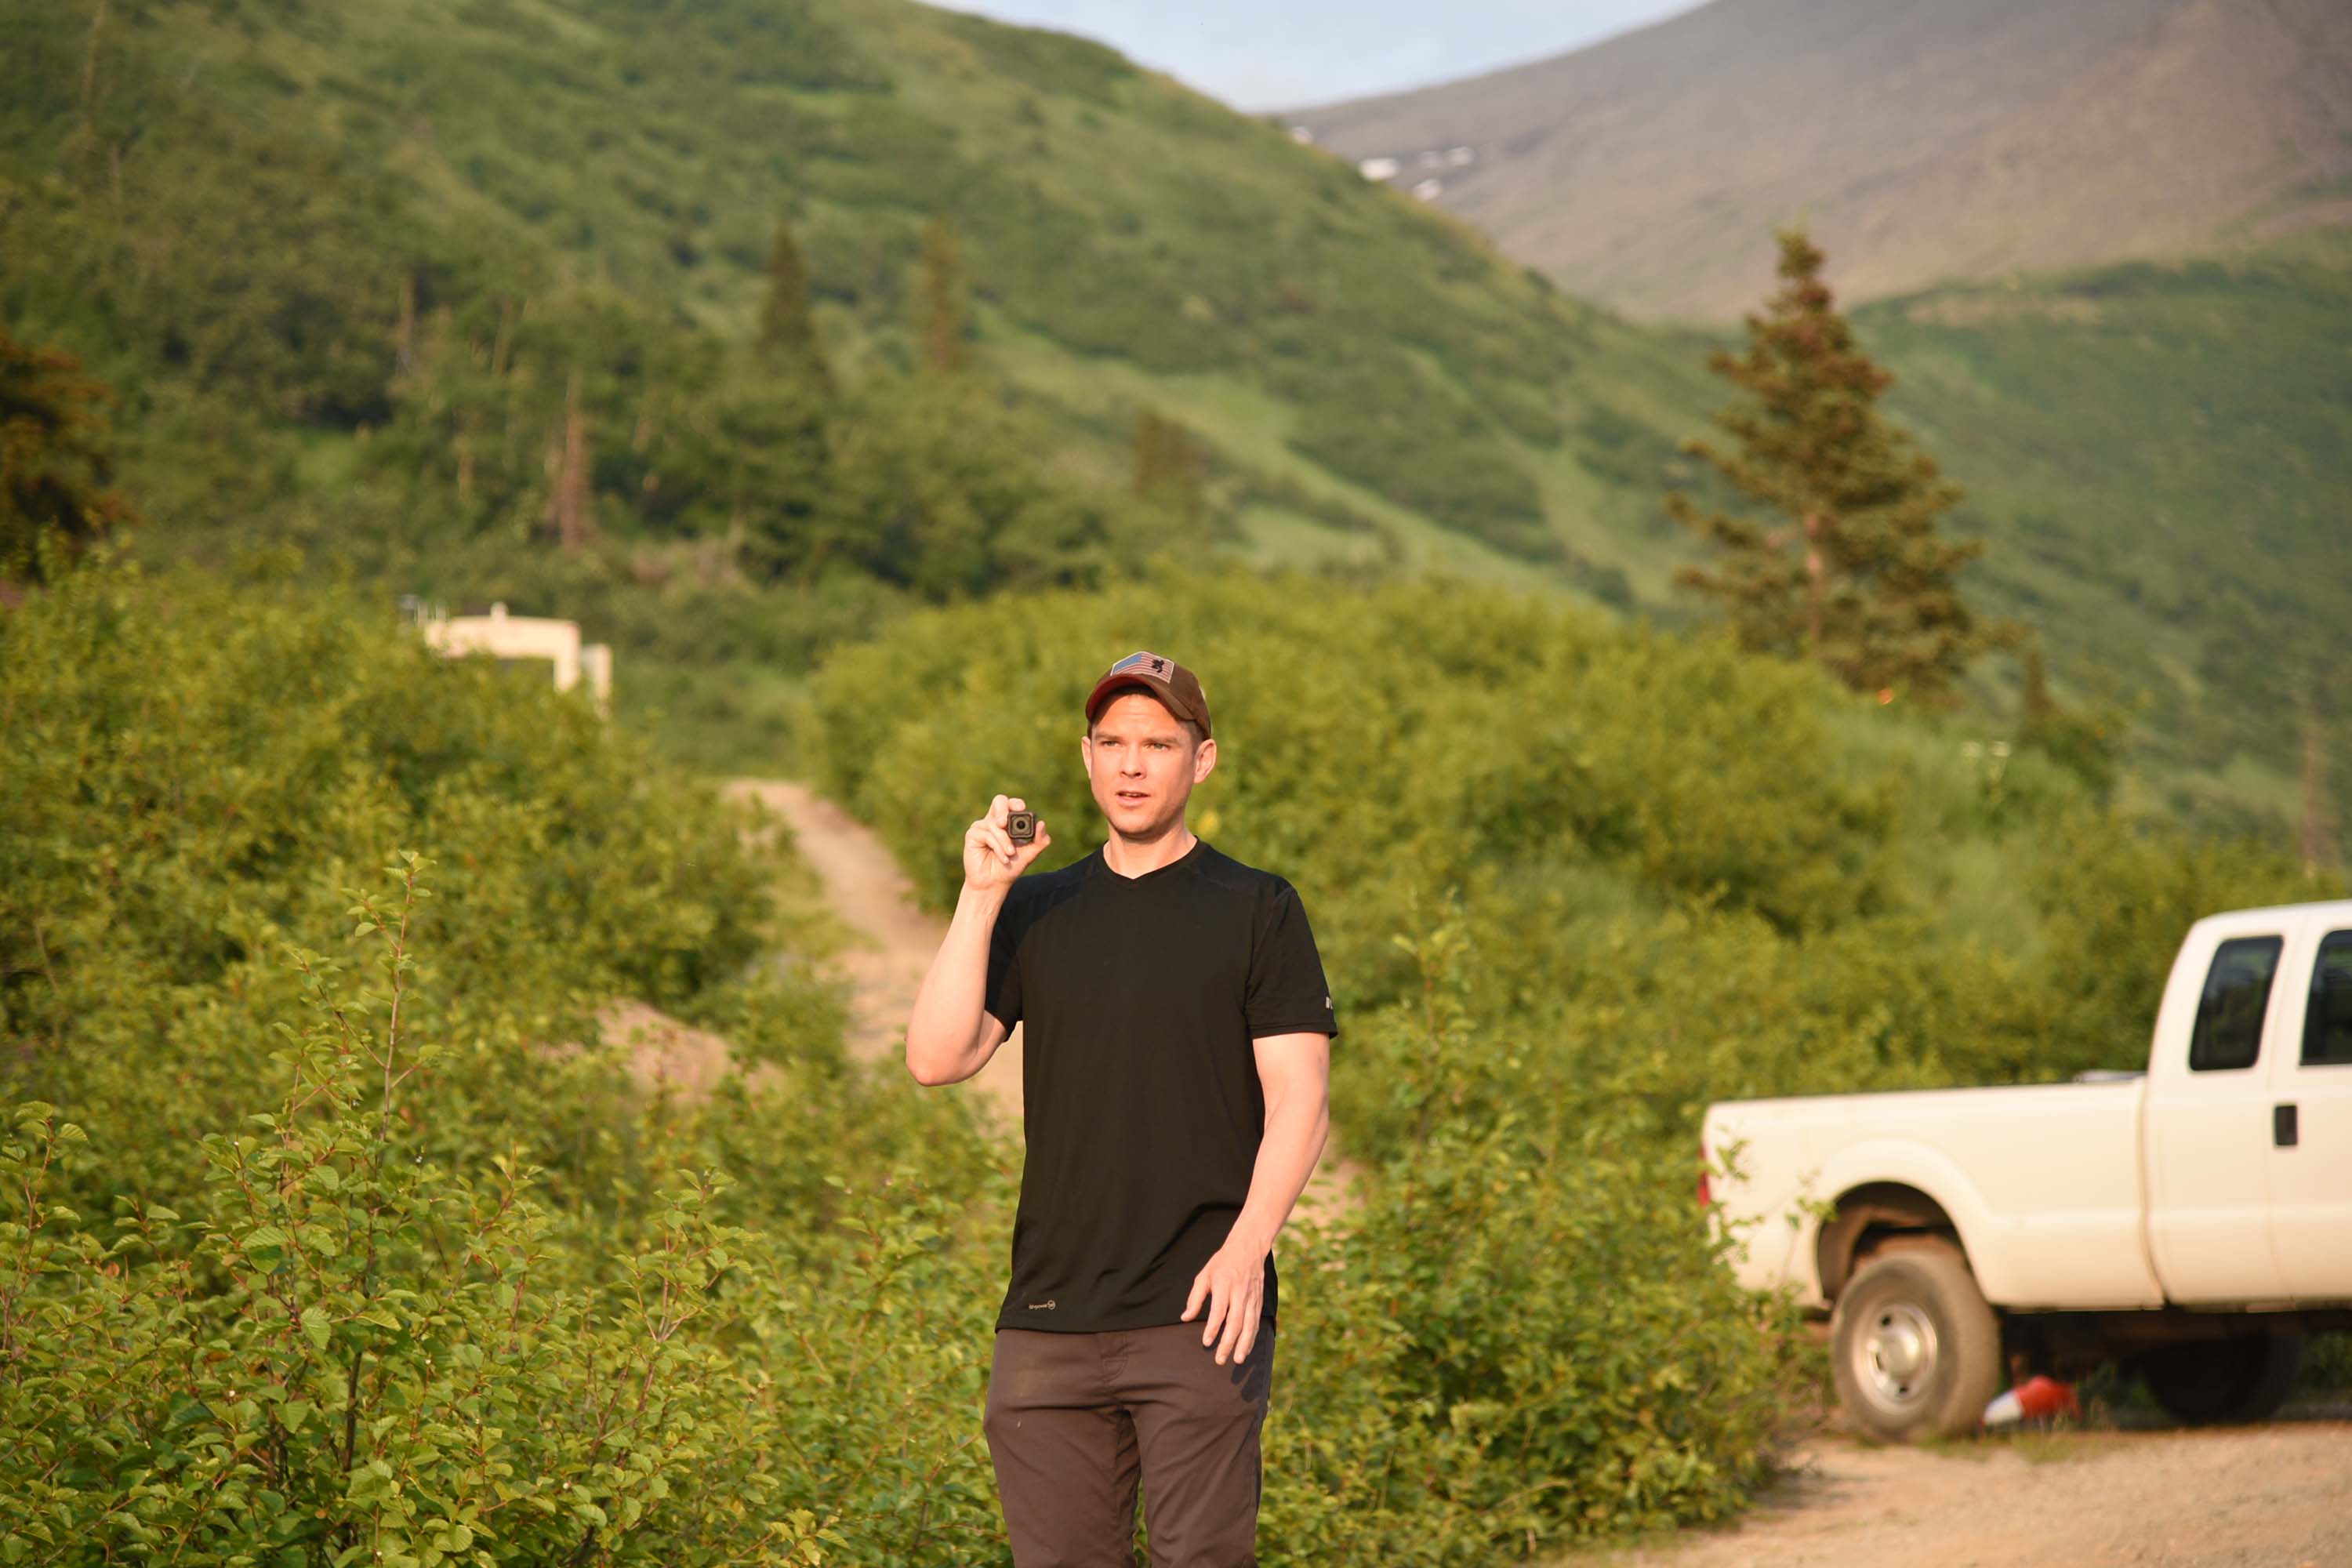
(2311, 1132)
(2209, 1134)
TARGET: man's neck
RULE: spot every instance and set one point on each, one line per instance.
(1134, 857)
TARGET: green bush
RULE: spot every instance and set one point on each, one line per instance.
(198, 769)
(1572, 1329)
(355, 1352)
(387, 1250)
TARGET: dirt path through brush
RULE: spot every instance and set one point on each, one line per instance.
(892, 937)
(2274, 1496)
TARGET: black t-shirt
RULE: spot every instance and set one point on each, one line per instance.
(1141, 996)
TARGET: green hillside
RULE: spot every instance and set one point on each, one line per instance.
(364, 276)
(271, 178)
(2162, 458)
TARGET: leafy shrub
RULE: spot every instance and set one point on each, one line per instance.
(357, 1353)
(1572, 1330)
(300, 1269)
(198, 768)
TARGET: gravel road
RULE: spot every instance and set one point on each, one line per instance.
(2273, 1496)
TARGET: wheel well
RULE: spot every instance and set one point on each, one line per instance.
(1870, 1217)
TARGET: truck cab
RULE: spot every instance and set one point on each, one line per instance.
(2249, 1112)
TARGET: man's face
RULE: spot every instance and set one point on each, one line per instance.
(1142, 764)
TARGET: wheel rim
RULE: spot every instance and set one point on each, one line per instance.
(1895, 1357)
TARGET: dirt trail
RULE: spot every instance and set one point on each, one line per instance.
(894, 937)
(2276, 1496)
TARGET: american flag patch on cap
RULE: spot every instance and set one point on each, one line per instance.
(1150, 664)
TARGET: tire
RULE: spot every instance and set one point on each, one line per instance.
(2245, 1377)
(1914, 1348)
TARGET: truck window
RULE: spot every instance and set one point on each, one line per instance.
(2237, 993)
(2327, 1021)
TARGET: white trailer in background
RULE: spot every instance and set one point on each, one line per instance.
(2193, 1221)
(505, 637)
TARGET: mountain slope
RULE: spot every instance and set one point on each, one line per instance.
(465, 149)
(1921, 139)
(2159, 458)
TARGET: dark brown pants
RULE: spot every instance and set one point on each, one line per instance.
(1075, 1420)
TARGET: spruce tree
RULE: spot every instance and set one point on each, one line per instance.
(941, 300)
(787, 328)
(1850, 571)
(55, 471)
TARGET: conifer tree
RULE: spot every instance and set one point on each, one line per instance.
(1854, 575)
(941, 300)
(787, 328)
(54, 469)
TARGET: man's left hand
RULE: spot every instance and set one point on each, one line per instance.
(1233, 1283)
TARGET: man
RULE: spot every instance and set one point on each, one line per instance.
(1176, 1056)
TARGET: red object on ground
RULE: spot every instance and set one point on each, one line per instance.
(2035, 1399)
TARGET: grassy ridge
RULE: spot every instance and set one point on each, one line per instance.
(503, 147)
(2161, 458)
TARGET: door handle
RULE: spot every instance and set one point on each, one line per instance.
(2282, 1127)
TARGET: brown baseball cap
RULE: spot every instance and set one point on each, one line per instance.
(1177, 688)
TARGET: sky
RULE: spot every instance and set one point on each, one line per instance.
(1292, 54)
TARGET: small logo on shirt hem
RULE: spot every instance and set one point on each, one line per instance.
(1043, 1306)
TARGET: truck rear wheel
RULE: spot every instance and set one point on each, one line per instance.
(2245, 1377)
(1914, 1348)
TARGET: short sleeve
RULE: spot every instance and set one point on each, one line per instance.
(1287, 994)
(1002, 996)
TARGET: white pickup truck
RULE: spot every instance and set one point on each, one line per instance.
(2193, 1221)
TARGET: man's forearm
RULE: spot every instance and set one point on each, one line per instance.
(1296, 1127)
(945, 1027)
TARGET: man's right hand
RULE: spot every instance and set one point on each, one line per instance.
(991, 859)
